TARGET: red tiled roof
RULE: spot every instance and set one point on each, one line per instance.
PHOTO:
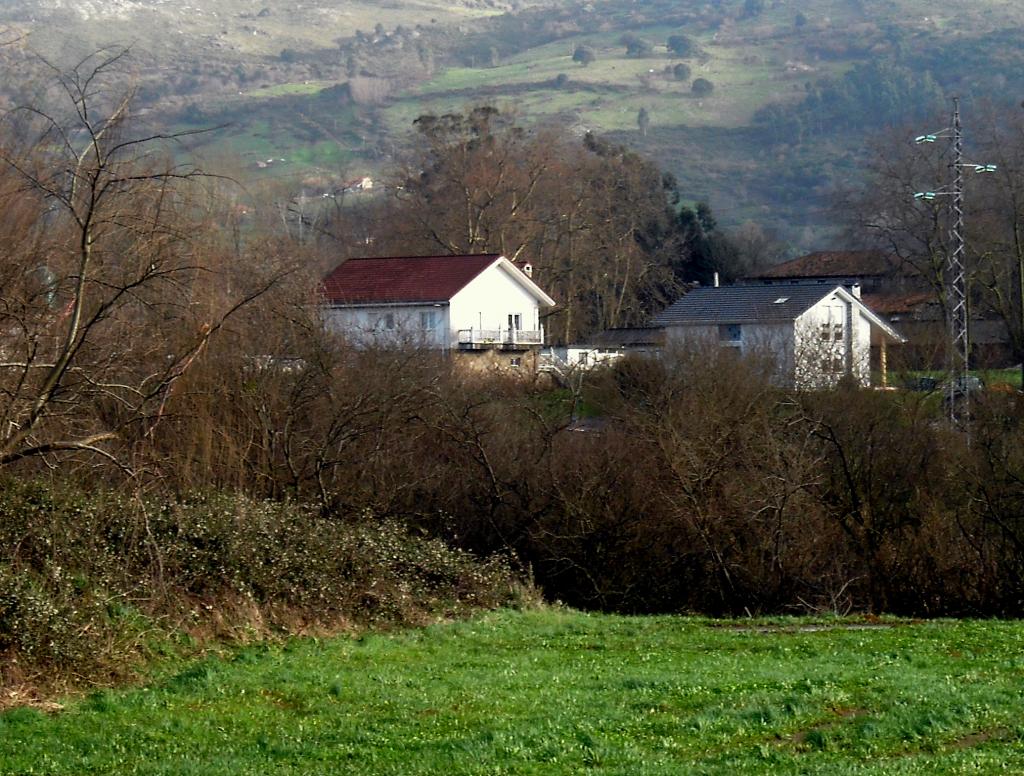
(828, 264)
(898, 304)
(403, 278)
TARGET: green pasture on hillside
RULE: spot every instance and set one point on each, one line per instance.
(557, 692)
(608, 93)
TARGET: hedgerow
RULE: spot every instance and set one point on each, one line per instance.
(85, 573)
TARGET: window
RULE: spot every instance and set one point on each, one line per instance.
(730, 332)
(515, 361)
(515, 322)
(428, 319)
(833, 330)
(833, 365)
(386, 321)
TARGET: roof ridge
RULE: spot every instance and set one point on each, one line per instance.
(415, 279)
(425, 256)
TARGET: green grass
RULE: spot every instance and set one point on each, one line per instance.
(554, 692)
(748, 74)
(993, 378)
(1000, 377)
(260, 135)
(745, 77)
(285, 90)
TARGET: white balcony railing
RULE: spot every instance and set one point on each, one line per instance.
(499, 337)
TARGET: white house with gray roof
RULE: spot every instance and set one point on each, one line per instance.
(815, 334)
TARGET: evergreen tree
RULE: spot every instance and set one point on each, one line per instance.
(643, 121)
(584, 55)
(681, 45)
(702, 87)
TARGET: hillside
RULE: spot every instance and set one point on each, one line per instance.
(318, 92)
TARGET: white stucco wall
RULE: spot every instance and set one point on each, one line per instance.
(768, 340)
(582, 357)
(487, 301)
(821, 358)
(851, 353)
(862, 349)
(368, 324)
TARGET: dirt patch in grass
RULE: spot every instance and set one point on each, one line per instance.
(977, 739)
(816, 735)
(865, 622)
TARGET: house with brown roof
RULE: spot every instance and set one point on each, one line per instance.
(482, 307)
(897, 292)
(874, 274)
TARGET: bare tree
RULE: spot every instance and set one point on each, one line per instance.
(594, 219)
(881, 212)
(109, 303)
(884, 213)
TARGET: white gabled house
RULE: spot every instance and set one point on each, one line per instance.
(479, 304)
(815, 334)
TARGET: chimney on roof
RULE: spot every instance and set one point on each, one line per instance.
(855, 290)
(716, 280)
(527, 269)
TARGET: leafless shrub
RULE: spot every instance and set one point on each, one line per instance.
(107, 303)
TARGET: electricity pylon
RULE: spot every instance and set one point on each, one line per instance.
(956, 268)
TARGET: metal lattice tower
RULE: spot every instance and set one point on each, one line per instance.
(958, 301)
(959, 337)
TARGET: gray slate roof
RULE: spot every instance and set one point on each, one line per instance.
(743, 304)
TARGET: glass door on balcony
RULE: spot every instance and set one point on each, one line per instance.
(515, 325)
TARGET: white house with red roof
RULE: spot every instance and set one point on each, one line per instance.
(473, 303)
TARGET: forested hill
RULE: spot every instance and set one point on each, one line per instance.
(757, 106)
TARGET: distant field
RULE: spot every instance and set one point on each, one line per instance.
(163, 26)
(556, 692)
(745, 77)
(282, 90)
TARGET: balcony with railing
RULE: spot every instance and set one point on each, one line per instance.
(505, 339)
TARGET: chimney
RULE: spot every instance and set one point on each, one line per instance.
(855, 290)
(716, 280)
(527, 269)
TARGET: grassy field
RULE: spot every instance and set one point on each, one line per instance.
(555, 692)
(746, 77)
